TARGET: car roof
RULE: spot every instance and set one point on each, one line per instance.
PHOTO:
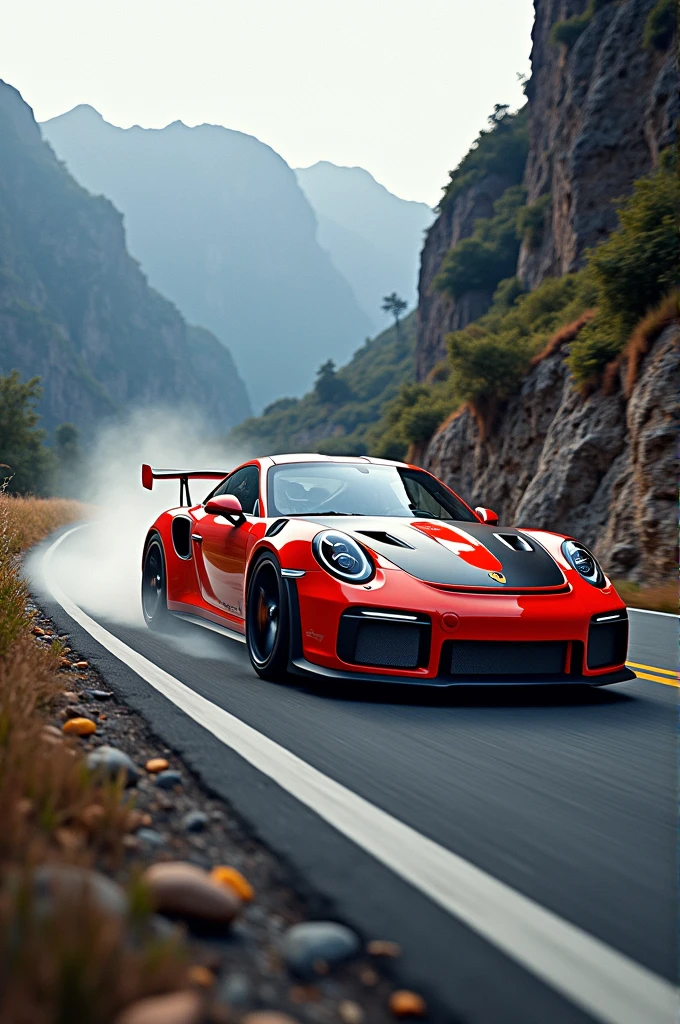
(282, 460)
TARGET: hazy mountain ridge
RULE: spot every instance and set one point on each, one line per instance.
(373, 237)
(220, 224)
(76, 310)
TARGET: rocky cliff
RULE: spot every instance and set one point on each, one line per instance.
(599, 114)
(76, 310)
(601, 468)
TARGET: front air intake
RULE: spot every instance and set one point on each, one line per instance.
(608, 639)
(384, 639)
(507, 658)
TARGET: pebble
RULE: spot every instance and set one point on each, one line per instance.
(383, 947)
(350, 1012)
(186, 891)
(194, 821)
(111, 761)
(156, 764)
(267, 1017)
(175, 1008)
(235, 990)
(69, 695)
(201, 976)
(306, 947)
(234, 879)
(79, 727)
(80, 664)
(168, 779)
(150, 838)
(51, 734)
(407, 1004)
(37, 631)
(49, 880)
(98, 694)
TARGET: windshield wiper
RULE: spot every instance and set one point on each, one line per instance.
(422, 512)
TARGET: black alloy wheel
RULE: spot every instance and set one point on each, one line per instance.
(267, 620)
(154, 590)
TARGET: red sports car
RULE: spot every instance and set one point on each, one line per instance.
(367, 570)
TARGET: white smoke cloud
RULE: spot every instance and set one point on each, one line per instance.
(103, 571)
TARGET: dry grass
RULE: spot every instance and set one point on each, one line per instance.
(563, 336)
(71, 962)
(28, 520)
(638, 345)
(658, 597)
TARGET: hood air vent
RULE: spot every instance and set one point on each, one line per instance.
(385, 538)
(514, 541)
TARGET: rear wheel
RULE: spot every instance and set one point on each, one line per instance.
(154, 586)
(267, 634)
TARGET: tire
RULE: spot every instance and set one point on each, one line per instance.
(267, 620)
(154, 586)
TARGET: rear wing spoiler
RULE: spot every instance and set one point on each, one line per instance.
(183, 475)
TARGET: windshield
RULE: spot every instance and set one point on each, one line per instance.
(360, 489)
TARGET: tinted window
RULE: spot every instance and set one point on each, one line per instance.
(318, 488)
(245, 485)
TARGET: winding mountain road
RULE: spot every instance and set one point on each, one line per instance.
(519, 844)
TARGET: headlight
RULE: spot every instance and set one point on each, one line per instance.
(584, 562)
(342, 557)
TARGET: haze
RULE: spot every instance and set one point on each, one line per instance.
(400, 89)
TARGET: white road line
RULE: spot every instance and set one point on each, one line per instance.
(605, 983)
(650, 611)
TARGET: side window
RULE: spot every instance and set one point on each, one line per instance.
(245, 485)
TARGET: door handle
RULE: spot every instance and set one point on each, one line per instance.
(197, 537)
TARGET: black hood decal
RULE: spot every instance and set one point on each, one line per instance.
(455, 554)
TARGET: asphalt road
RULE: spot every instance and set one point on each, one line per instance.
(569, 797)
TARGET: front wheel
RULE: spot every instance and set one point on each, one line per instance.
(154, 586)
(267, 633)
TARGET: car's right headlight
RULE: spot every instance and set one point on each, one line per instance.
(584, 561)
(342, 557)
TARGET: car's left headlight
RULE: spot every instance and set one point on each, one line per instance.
(342, 557)
(584, 561)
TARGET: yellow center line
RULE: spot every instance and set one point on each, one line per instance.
(653, 668)
(654, 679)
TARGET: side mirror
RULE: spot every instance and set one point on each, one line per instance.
(487, 515)
(226, 505)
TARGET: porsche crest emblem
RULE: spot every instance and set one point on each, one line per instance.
(498, 577)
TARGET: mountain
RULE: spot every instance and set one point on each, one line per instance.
(373, 237)
(75, 308)
(338, 415)
(220, 225)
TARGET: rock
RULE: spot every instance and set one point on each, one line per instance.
(194, 821)
(235, 880)
(72, 711)
(168, 779)
(79, 727)
(37, 631)
(111, 762)
(156, 764)
(183, 890)
(201, 976)
(80, 664)
(267, 1017)
(52, 881)
(51, 734)
(175, 1008)
(235, 990)
(383, 947)
(407, 1004)
(306, 947)
(350, 1012)
(150, 838)
(98, 694)
(64, 663)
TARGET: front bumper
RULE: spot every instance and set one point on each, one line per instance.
(317, 604)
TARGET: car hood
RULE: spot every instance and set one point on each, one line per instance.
(457, 554)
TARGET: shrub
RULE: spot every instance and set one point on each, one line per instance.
(660, 25)
(488, 366)
(568, 31)
(489, 255)
(501, 149)
(632, 271)
(531, 221)
(24, 459)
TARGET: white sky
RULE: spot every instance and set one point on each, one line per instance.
(400, 87)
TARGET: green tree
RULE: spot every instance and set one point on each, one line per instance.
(331, 389)
(69, 458)
(22, 442)
(396, 306)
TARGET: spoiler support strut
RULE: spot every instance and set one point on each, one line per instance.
(183, 475)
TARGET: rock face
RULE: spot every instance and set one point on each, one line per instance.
(601, 468)
(438, 314)
(76, 310)
(599, 115)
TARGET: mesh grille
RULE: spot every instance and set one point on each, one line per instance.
(607, 643)
(387, 644)
(515, 658)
